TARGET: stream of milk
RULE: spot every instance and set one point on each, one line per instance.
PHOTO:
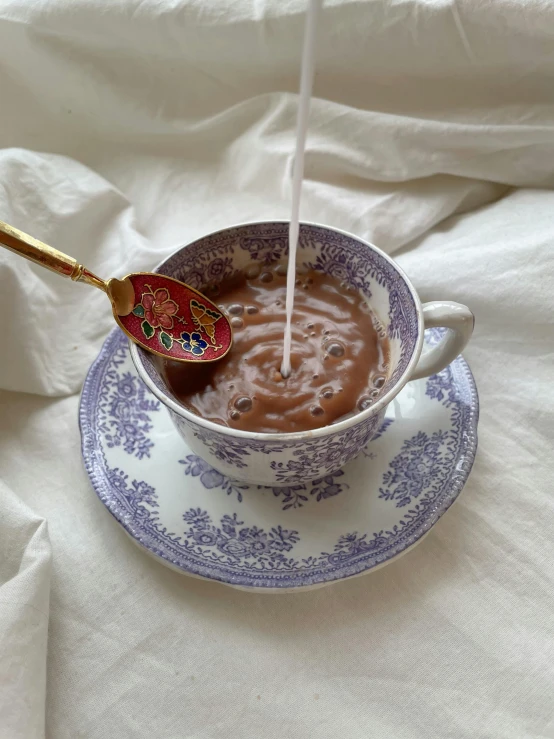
(306, 82)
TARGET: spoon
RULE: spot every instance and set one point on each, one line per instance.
(161, 314)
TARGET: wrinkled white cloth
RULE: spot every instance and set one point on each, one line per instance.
(130, 127)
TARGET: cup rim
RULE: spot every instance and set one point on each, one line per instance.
(332, 429)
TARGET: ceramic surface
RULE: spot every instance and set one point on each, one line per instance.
(182, 510)
(297, 458)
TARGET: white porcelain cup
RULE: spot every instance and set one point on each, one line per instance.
(279, 460)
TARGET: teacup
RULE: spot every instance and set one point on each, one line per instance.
(280, 460)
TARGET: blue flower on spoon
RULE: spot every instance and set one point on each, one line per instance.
(193, 343)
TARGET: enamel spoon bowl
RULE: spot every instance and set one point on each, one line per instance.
(159, 313)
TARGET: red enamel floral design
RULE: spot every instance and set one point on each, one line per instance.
(175, 321)
(159, 308)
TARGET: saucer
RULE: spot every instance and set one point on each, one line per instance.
(195, 520)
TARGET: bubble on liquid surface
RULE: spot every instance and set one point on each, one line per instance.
(236, 309)
(235, 415)
(335, 349)
(243, 404)
(251, 309)
(364, 403)
(316, 410)
(379, 381)
(236, 322)
(266, 277)
(310, 325)
(327, 393)
(252, 271)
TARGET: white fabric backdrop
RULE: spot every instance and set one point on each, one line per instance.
(129, 127)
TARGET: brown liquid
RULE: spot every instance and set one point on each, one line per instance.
(338, 361)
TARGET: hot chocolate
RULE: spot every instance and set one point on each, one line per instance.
(339, 357)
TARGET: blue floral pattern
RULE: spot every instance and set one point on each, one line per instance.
(275, 549)
(346, 266)
(294, 496)
(217, 269)
(135, 493)
(326, 453)
(311, 457)
(124, 409)
(328, 487)
(440, 388)
(209, 477)
(194, 343)
(233, 542)
(265, 249)
(227, 450)
(245, 546)
(419, 466)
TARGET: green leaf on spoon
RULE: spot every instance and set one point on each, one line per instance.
(147, 329)
(166, 340)
(138, 310)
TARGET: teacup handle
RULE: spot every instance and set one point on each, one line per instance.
(459, 321)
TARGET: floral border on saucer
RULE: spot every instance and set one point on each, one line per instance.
(232, 551)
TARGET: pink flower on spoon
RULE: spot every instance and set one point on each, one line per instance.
(159, 308)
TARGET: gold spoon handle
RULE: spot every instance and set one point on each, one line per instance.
(39, 253)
